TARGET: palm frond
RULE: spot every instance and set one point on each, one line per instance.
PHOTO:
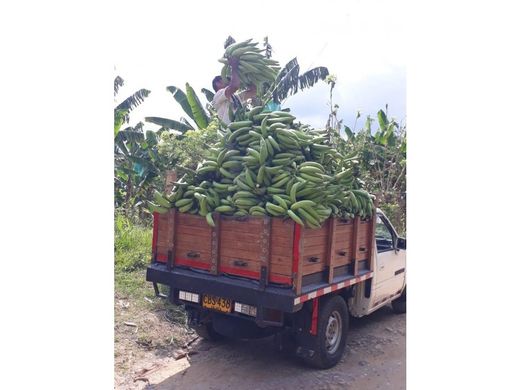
(169, 123)
(209, 95)
(118, 82)
(287, 81)
(133, 101)
(311, 77)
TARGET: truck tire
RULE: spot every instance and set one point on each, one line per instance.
(207, 332)
(329, 343)
(399, 304)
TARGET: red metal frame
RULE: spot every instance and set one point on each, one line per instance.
(255, 275)
(192, 263)
(155, 233)
(314, 321)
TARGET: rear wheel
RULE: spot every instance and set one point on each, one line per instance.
(329, 343)
(206, 331)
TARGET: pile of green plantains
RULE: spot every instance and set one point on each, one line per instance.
(269, 165)
(254, 67)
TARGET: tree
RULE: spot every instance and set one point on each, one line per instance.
(122, 110)
(380, 157)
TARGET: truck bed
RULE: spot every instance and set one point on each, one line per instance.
(262, 253)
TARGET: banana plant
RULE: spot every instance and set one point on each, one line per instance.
(191, 105)
(122, 110)
(137, 165)
(289, 80)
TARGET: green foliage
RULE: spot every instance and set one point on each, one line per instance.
(132, 244)
(380, 157)
(169, 124)
(189, 150)
(199, 114)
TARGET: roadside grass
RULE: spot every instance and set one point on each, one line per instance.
(144, 323)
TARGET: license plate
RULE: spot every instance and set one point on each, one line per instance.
(216, 303)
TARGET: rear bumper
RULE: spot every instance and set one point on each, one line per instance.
(236, 289)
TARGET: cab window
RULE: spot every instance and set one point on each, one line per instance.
(384, 237)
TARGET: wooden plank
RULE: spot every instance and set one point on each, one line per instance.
(344, 222)
(175, 214)
(297, 269)
(195, 241)
(281, 259)
(203, 233)
(192, 220)
(344, 230)
(341, 260)
(310, 258)
(281, 251)
(204, 252)
(315, 232)
(281, 228)
(239, 243)
(265, 251)
(312, 268)
(281, 242)
(231, 235)
(355, 244)
(239, 253)
(281, 269)
(165, 232)
(330, 260)
(215, 246)
(249, 265)
(249, 222)
(315, 248)
(320, 240)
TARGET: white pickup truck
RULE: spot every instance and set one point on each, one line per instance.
(259, 276)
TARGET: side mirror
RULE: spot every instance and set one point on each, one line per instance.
(401, 243)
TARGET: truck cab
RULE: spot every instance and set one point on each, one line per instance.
(389, 281)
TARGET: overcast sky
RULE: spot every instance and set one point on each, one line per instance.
(361, 42)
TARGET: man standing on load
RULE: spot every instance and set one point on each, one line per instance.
(225, 101)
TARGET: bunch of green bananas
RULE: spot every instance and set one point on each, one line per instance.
(254, 67)
(269, 165)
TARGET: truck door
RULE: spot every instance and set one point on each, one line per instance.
(390, 261)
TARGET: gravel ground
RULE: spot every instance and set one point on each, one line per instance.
(375, 359)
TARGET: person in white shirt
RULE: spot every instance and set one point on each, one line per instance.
(225, 99)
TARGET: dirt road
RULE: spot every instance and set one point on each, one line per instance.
(375, 359)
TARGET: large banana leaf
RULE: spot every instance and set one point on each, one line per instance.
(134, 100)
(182, 99)
(209, 95)
(200, 116)
(169, 123)
(383, 121)
(311, 77)
(289, 79)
